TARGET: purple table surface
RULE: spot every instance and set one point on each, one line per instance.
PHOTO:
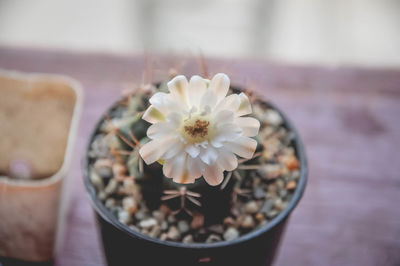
(349, 119)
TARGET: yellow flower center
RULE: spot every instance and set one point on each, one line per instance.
(196, 129)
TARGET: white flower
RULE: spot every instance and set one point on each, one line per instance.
(197, 130)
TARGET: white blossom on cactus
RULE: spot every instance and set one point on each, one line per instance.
(197, 130)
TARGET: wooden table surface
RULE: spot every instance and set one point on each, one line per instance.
(349, 119)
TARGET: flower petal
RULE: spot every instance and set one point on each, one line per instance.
(228, 132)
(220, 85)
(223, 117)
(187, 179)
(178, 87)
(154, 149)
(225, 130)
(192, 150)
(242, 146)
(227, 160)
(213, 174)
(208, 99)
(209, 155)
(174, 118)
(217, 142)
(197, 87)
(249, 125)
(159, 130)
(174, 165)
(196, 167)
(230, 103)
(175, 147)
(163, 102)
(153, 115)
(176, 168)
(245, 106)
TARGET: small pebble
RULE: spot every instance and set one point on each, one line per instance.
(129, 186)
(279, 204)
(165, 209)
(102, 163)
(111, 187)
(213, 238)
(295, 174)
(235, 211)
(285, 172)
(115, 211)
(283, 193)
(260, 217)
(171, 219)
(129, 204)
(96, 181)
(291, 162)
(145, 231)
(164, 236)
(124, 217)
(198, 221)
(280, 184)
(183, 226)
(110, 202)
(155, 231)
(201, 233)
(140, 215)
(119, 170)
(251, 207)
(173, 233)
(272, 188)
(271, 195)
(216, 228)
(188, 239)
(291, 185)
(158, 215)
(259, 193)
(229, 221)
(148, 223)
(270, 171)
(256, 180)
(134, 228)
(272, 117)
(262, 224)
(231, 233)
(271, 214)
(102, 195)
(289, 138)
(247, 222)
(99, 148)
(267, 206)
(104, 172)
(164, 225)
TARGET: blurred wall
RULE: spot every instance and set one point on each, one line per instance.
(357, 32)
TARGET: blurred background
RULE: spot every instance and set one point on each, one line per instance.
(349, 32)
(347, 117)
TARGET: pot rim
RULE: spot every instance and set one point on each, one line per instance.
(110, 218)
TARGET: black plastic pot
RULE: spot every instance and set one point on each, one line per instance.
(124, 246)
